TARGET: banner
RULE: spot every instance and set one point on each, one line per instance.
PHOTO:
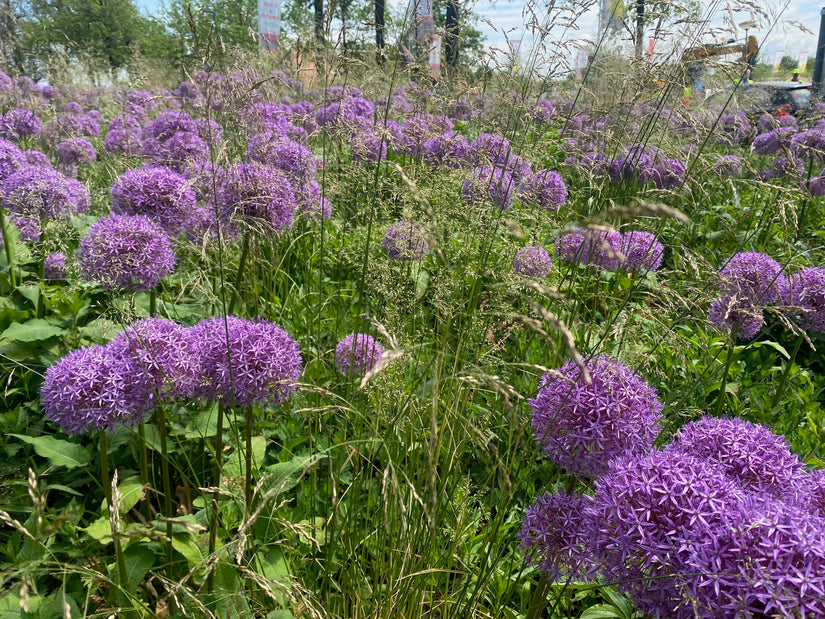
(582, 59)
(611, 14)
(777, 58)
(422, 27)
(269, 24)
(435, 56)
(803, 60)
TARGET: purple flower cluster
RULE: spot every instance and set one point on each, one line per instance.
(532, 261)
(405, 241)
(582, 425)
(258, 196)
(75, 151)
(447, 149)
(545, 189)
(728, 166)
(54, 266)
(18, 123)
(128, 252)
(488, 184)
(124, 136)
(599, 248)
(642, 251)
(357, 354)
(173, 140)
(161, 194)
(809, 145)
(808, 298)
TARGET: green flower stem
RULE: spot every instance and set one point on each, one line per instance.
(144, 467)
(213, 525)
(239, 275)
(7, 246)
(720, 401)
(250, 418)
(786, 375)
(153, 303)
(167, 485)
(539, 599)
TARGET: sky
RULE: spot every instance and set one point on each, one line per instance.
(788, 25)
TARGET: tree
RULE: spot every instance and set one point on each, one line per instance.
(12, 13)
(463, 42)
(100, 30)
(788, 64)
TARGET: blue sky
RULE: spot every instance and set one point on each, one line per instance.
(779, 28)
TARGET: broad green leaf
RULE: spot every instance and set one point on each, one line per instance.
(775, 345)
(100, 530)
(602, 611)
(131, 492)
(236, 464)
(280, 614)
(57, 451)
(186, 546)
(285, 475)
(31, 331)
(31, 293)
(139, 559)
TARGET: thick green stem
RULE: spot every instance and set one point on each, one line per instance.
(248, 481)
(239, 275)
(720, 402)
(786, 376)
(144, 466)
(7, 246)
(213, 525)
(114, 517)
(167, 484)
(153, 302)
(539, 599)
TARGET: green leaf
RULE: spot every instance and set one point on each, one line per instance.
(285, 475)
(280, 614)
(602, 611)
(139, 559)
(236, 464)
(775, 345)
(131, 491)
(100, 530)
(31, 293)
(31, 331)
(185, 545)
(57, 451)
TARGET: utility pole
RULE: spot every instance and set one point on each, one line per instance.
(816, 87)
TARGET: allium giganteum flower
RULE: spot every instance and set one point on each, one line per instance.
(261, 365)
(126, 252)
(258, 196)
(582, 426)
(532, 261)
(489, 185)
(808, 295)
(357, 354)
(600, 248)
(642, 251)
(161, 194)
(406, 241)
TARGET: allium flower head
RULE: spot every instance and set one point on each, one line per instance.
(543, 111)
(177, 151)
(600, 248)
(161, 194)
(165, 354)
(491, 149)
(728, 166)
(54, 266)
(126, 252)
(370, 148)
(19, 122)
(532, 261)
(737, 315)
(809, 145)
(76, 151)
(489, 185)
(11, 159)
(808, 294)
(405, 240)
(93, 389)
(261, 364)
(291, 157)
(258, 196)
(448, 149)
(756, 277)
(642, 251)
(582, 426)
(357, 354)
(544, 188)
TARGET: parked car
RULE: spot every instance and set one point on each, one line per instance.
(760, 97)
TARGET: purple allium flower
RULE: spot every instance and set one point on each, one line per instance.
(19, 122)
(177, 151)
(350, 109)
(635, 164)
(544, 188)
(449, 149)
(815, 185)
(489, 184)
(37, 159)
(54, 266)
(88, 389)
(667, 173)
(169, 123)
(76, 151)
(555, 535)
(295, 159)
(758, 460)
(532, 261)
(543, 112)
(728, 166)
(582, 426)
(73, 108)
(650, 513)
(65, 126)
(756, 277)
(405, 240)
(642, 251)
(256, 195)
(161, 194)
(35, 195)
(246, 362)
(312, 203)
(370, 148)
(766, 123)
(126, 252)
(460, 109)
(809, 145)
(773, 142)
(166, 356)
(11, 159)
(143, 98)
(357, 354)
(787, 166)
(491, 149)
(601, 248)
(733, 128)
(808, 295)
(124, 136)
(736, 315)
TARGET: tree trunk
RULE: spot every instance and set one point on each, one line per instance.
(319, 22)
(379, 28)
(451, 35)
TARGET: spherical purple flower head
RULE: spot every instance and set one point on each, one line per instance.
(733, 128)
(449, 149)
(169, 123)
(750, 454)
(809, 145)
(595, 163)
(756, 277)
(166, 356)
(600, 248)
(368, 148)
(76, 151)
(209, 130)
(766, 123)
(532, 261)
(417, 130)
(491, 149)
(543, 112)
(728, 166)
(313, 204)
(6, 82)
(258, 196)
(768, 560)
(357, 354)
(787, 166)
(815, 185)
(350, 109)
(11, 159)
(460, 109)
(582, 427)
(489, 185)
(177, 151)
(161, 194)
(188, 91)
(667, 173)
(54, 266)
(36, 158)
(94, 389)
(544, 188)
(649, 512)
(69, 125)
(808, 298)
(19, 122)
(246, 362)
(123, 142)
(34, 195)
(73, 108)
(635, 165)
(555, 534)
(143, 98)
(736, 315)
(128, 252)
(642, 251)
(276, 150)
(405, 241)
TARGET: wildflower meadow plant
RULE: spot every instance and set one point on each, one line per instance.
(357, 354)
(532, 261)
(405, 240)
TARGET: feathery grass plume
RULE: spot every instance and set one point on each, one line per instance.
(581, 426)
(357, 354)
(405, 241)
(532, 261)
(126, 252)
(159, 193)
(593, 247)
